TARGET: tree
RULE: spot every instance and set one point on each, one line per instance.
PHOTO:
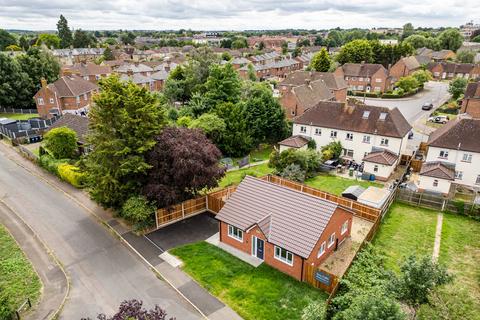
(263, 114)
(334, 38)
(450, 39)
(422, 76)
(457, 87)
(239, 43)
(476, 39)
(6, 39)
(81, 39)
(183, 162)
(61, 143)
(408, 30)
(13, 47)
(108, 54)
(321, 61)
(284, 47)
(261, 45)
(407, 83)
(128, 38)
(223, 85)
(466, 56)
(212, 126)
(133, 310)
(356, 51)
(416, 40)
(226, 56)
(23, 43)
(374, 306)
(64, 33)
(418, 278)
(252, 74)
(138, 210)
(293, 172)
(14, 84)
(331, 150)
(50, 40)
(124, 121)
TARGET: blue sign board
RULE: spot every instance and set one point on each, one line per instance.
(323, 277)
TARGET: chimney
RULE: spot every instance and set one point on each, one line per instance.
(67, 72)
(129, 72)
(307, 81)
(43, 82)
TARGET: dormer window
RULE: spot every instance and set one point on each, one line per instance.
(366, 114)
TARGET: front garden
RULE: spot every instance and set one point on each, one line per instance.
(254, 293)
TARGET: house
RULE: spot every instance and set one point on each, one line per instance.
(88, 71)
(381, 163)
(336, 84)
(140, 80)
(134, 68)
(471, 100)
(237, 63)
(443, 55)
(453, 156)
(278, 69)
(296, 142)
(404, 67)
(364, 76)
(362, 130)
(285, 228)
(69, 94)
(449, 70)
(77, 123)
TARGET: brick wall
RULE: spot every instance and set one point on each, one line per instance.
(49, 102)
(340, 95)
(472, 107)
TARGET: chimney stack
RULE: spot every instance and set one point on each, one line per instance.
(43, 82)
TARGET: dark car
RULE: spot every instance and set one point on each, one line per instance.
(427, 106)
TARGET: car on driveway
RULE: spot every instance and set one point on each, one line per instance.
(439, 119)
(427, 106)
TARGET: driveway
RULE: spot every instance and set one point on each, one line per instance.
(194, 229)
(101, 270)
(411, 107)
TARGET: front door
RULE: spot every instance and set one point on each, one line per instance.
(257, 247)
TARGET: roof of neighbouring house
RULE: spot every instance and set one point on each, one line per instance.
(308, 95)
(411, 63)
(356, 117)
(298, 78)
(72, 86)
(442, 54)
(438, 169)
(473, 90)
(458, 134)
(383, 156)
(290, 219)
(362, 69)
(136, 78)
(78, 124)
(294, 141)
(87, 69)
(134, 68)
(159, 75)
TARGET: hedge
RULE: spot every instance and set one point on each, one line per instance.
(51, 164)
(71, 174)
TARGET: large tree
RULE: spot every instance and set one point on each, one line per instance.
(64, 32)
(321, 61)
(14, 84)
(457, 87)
(124, 121)
(108, 54)
(450, 39)
(223, 85)
(356, 51)
(81, 39)
(183, 162)
(48, 39)
(6, 39)
(212, 125)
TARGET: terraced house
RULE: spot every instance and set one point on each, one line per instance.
(368, 77)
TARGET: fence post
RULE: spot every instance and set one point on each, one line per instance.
(183, 210)
(156, 217)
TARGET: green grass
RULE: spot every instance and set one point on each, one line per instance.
(406, 230)
(235, 177)
(18, 116)
(254, 293)
(335, 184)
(18, 279)
(261, 153)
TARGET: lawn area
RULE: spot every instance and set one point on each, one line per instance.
(406, 230)
(336, 185)
(254, 293)
(18, 116)
(235, 177)
(18, 279)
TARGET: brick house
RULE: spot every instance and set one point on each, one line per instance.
(449, 70)
(285, 228)
(404, 67)
(365, 77)
(471, 101)
(277, 69)
(69, 94)
(88, 71)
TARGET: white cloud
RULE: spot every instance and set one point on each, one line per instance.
(234, 14)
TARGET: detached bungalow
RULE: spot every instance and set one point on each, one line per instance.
(285, 228)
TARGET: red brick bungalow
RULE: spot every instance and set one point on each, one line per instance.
(285, 228)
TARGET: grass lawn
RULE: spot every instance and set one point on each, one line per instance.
(18, 116)
(406, 230)
(336, 185)
(254, 293)
(18, 279)
(235, 177)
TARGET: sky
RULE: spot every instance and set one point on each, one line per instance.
(234, 14)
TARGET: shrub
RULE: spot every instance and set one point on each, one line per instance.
(71, 174)
(50, 164)
(61, 142)
(315, 310)
(308, 160)
(293, 172)
(6, 312)
(138, 211)
(333, 150)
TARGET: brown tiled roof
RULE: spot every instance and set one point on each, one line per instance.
(461, 133)
(298, 78)
(442, 54)
(473, 90)
(72, 86)
(438, 169)
(362, 69)
(76, 123)
(308, 95)
(411, 63)
(294, 141)
(450, 67)
(348, 116)
(87, 69)
(290, 219)
(383, 156)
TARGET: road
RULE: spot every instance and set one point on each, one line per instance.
(411, 107)
(102, 271)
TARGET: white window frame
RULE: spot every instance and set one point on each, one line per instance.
(347, 151)
(321, 251)
(51, 100)
(85, 96)
(318, 131)
(279, 257)
(349, 136)
(331, 240)
(467, 157)
(303, 129)
(477, 181)
(378, 80)
(77, 99)
(384, 142)
(459, 175)
(443, 154)
(366, 139)
(333, 134)
(40, 101)
(344, 228)
(375, 168)
(231, 233)
(435, 183)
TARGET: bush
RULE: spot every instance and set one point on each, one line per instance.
(61, 142)
(138, 211)
(308, 160)
(50, 164)
(71, 174)
(6, 312)
(333, 150)
(293, 172)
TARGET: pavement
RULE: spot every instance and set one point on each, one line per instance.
(55, 284)
(103, 268)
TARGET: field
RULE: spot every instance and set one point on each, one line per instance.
(18, 279)
(336, 185)
(254, 293)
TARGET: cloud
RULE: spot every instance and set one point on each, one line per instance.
(234, 14)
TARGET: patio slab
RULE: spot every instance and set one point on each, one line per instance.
(251, 260)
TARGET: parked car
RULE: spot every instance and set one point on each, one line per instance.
(439, 119)
(427, 106)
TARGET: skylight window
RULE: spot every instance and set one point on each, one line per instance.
(383, 116)
(365, 114)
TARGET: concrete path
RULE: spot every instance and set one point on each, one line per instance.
(438, 237)
(55, 284)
